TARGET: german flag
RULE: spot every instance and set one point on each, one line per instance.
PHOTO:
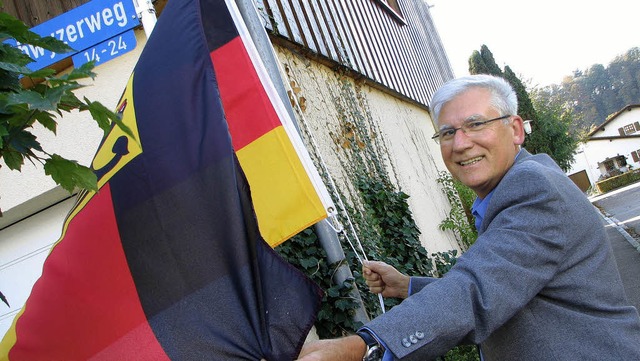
(167, 260)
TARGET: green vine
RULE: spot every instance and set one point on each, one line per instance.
(459, 221)
(398, 241)
(378, 211)
(335, 317)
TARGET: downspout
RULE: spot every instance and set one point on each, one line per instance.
(147, 15)
(327, 236)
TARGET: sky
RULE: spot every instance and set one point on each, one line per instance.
(541, 41)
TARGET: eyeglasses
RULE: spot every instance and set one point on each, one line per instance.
(469, 128)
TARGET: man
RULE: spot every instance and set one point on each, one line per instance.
(540, 283)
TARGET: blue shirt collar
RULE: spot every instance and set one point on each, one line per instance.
(480, 205)
(479, 208)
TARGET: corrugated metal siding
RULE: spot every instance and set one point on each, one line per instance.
(362, 35)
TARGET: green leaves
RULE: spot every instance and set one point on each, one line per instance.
(13, 159)
(11, 27)
(44, 103)
(69, 174)
(33, 100)
(105, 117)
(459, 220)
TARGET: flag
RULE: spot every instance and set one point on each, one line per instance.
(167, 261)
(286, 188)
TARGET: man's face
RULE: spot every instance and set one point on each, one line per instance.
(479, 159)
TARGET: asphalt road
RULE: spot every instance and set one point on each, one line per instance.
(623, 206)
(621, 211)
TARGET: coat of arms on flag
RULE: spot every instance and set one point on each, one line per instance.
(168, 260)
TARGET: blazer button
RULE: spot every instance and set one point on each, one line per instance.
(413, 339)
(419, 335)
(406, 343)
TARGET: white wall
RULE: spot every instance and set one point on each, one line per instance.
(23, 249)
(405, 129)
(626, 117)
(597, 150)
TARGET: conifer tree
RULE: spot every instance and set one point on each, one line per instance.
(550, 128)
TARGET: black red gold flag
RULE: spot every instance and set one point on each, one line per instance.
(167, 260)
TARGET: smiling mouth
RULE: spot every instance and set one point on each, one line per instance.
(470, 161)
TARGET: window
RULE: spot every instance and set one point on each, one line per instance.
(393, 7)
(608, 165)
(628, 129)
(621, 161)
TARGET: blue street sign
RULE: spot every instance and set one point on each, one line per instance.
(81, 28)
(106, 50)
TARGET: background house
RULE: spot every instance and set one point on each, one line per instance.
(359, 73)
(610, 149)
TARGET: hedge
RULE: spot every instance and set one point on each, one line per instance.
(618, 181)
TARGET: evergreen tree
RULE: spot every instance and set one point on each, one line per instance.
(482, 62)
(476, 64)
(488, 58)
(550, 127)
(525, 106)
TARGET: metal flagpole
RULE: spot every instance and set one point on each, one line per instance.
(327, 236)
(147, 14)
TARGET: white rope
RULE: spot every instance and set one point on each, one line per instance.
(339, 229)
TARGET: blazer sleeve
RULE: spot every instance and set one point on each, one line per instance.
(515, 257)
(418, 283)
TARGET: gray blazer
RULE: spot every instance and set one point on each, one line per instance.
(540, 283)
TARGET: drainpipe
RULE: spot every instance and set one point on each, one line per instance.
(147, 15)
(327, 236)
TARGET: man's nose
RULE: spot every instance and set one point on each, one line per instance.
(461, 140)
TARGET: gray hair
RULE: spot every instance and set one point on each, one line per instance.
(503, 97)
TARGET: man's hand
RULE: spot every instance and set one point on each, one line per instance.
(340, 349)
(381, 277)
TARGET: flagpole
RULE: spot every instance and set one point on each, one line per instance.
(326, 234)
(147, 15)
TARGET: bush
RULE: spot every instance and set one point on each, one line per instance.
(618, 181)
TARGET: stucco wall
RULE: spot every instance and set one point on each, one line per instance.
(401, 130)
(597, 151)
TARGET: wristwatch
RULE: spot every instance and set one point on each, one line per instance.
(375, 351)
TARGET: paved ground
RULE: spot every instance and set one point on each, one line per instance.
(628, 259)
(627, 252)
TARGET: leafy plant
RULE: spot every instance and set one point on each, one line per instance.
(22, 107)
(462, 353)
(379, 213)
(444, 261)
(335, 317)
(398, 242)
(459, 220)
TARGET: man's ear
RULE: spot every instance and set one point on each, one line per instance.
(517, 125)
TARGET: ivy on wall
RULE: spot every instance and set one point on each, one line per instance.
(378, 210)
(459, 221)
